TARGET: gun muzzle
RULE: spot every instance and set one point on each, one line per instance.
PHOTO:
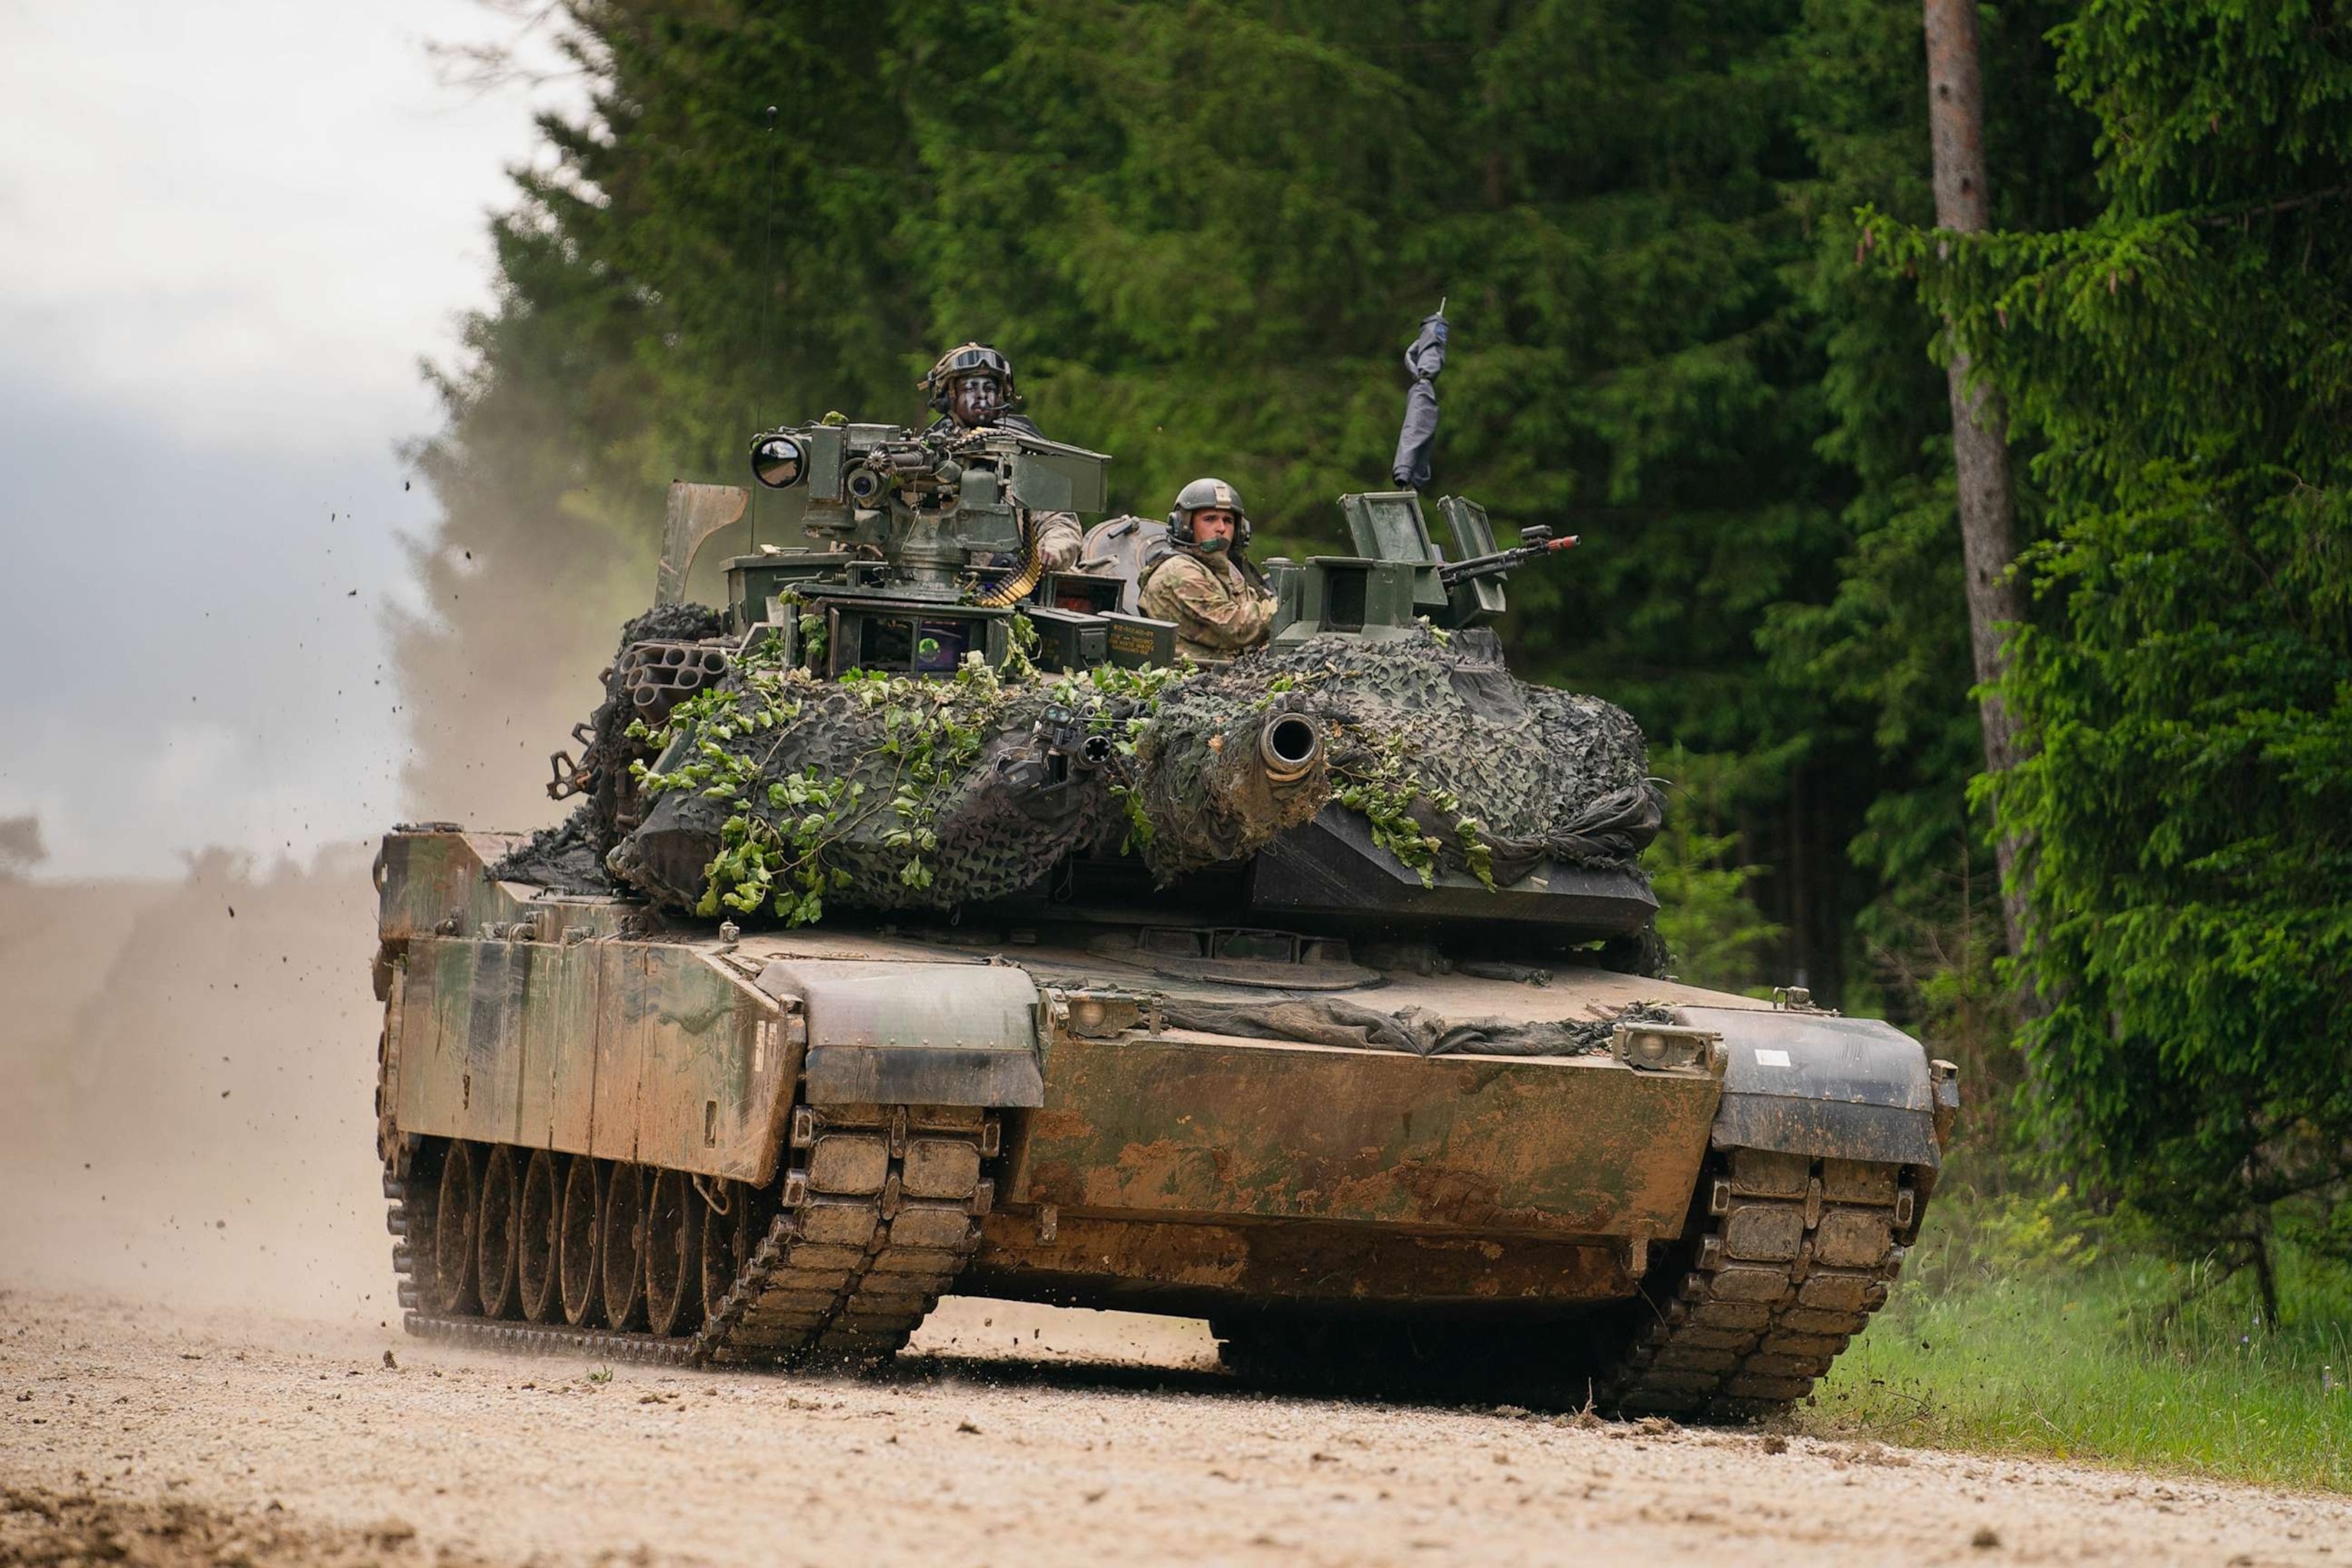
(1291, 745)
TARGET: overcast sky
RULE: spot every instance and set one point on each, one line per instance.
(228, 233)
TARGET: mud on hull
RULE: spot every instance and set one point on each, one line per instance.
(782, 1149)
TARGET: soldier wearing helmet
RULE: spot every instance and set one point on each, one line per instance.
(1217, 609)
(971, 388)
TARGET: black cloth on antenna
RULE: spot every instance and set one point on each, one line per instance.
(1424, 359)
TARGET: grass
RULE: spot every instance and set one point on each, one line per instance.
(2030, 1327)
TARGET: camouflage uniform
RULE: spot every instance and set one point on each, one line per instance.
(1059, 539)
(1217, 613)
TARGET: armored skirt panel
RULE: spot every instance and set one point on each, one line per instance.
(637, 1052)
(671, 1056)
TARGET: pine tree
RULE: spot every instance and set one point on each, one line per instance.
(2188, 679)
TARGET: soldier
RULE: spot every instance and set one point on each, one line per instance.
(1195, 580)
(971, 388)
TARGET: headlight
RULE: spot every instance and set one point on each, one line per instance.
(1667, 1048)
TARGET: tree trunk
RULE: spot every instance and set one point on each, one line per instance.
(1979, 423)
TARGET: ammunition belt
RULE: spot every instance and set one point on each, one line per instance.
(1795, 1255)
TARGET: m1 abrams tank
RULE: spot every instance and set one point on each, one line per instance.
(919, 933)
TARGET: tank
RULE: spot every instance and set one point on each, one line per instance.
(921, 930)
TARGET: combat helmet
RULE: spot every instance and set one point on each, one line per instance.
(1201, 495)
(970, 359)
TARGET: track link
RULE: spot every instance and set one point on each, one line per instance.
(1794, 1255)
(881, 1211)
(492, 1333)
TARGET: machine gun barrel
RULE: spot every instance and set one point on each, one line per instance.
(915, 457)
(1059, 733)
(1502, 561)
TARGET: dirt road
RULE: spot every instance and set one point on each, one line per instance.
(196, 1307)
(184, 1438)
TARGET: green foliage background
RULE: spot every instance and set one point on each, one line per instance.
(1204, 230)
(2183, 360)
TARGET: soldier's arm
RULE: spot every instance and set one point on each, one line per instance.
(1157, 596)
(1252, 614)
(1059, 539)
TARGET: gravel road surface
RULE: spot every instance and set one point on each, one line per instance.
(1012, 1435)
(195, 1308)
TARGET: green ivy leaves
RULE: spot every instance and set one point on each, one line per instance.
(778, 851)
(1372, 782)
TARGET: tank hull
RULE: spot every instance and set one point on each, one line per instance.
(860, 1120)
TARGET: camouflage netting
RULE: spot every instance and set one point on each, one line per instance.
(885, 794)
(1452, 759)
(1335, 1021)
(570, 857)
(562, 858)
(777, 792)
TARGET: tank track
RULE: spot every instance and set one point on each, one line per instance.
(877, 1211)
(848, 1268)
(1783, 1261)
(1793, 1256)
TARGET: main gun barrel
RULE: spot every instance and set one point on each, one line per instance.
(1289, 746)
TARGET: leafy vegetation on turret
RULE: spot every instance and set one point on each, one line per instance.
(775, 790)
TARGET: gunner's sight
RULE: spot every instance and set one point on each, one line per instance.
(778, 461)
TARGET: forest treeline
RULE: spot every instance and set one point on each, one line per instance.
(1700, 313)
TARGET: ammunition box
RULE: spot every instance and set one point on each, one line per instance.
(1089, 593)
(1138, 641)
(1066, 639)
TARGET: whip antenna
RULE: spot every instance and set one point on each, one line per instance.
(765, 344)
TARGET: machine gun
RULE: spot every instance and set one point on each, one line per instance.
(925, 506)
(1539, 543)
(852, 464)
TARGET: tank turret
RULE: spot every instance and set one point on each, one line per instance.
(884, 715)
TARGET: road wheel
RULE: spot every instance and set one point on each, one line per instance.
(539, 1214)
(674, 1212)
(576, 1242)
(455, 1217)
(726, 1239)
(495, 1233)
(623, 1246)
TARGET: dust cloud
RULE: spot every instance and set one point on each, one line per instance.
(186, 1082)
(524, 588)
(188, 1066)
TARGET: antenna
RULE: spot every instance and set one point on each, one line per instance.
(764, 344)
